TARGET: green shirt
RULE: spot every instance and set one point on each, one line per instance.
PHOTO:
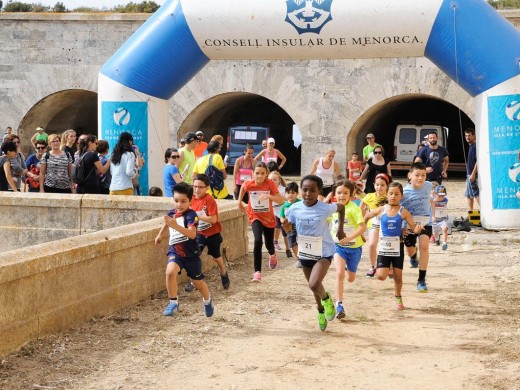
(286, 205)
(367, 150)
(43, 136)
(189, 158)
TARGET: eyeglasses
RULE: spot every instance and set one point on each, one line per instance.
(177, 156)
(378, 152)
(56, 140)
(41, 147)
(200, 186)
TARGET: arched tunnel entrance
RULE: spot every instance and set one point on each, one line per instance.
(69, 109)
(383, 118)
(217, 114)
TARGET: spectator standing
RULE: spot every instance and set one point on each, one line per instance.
(40, 134)
(369, 149)
(91, 163)
(68, 142)
(472, 191)
(8, 130)
(32, 177)
(55, 168)
(18, 167)
(104, 178)
(271, 154)
(375, 165)
(171, 174)
(123, 168)
(435, 158)
(9, 151)
(186, 160)
(216, 160)
(327, 170)
(201, 146)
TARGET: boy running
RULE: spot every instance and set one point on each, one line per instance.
(440, 216)
(291, 194)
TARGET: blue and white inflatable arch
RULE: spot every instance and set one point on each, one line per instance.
(467, 39)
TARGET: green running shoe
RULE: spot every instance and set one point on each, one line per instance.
(330, 310)
(322, 321)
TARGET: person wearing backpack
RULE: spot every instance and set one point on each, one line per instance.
(213, 166)
(84, 171)
(55, 168)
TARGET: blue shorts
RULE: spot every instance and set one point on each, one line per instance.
(351, 255)
(192, 265)
(471, 189)
(292, 238)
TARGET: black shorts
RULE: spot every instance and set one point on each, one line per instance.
(212, 242)
(292, 238)
(279, 226)
(192, 265)
(326, 190)
(411, 239)
(395, 262)
(311, 263)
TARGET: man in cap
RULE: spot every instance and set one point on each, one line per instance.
(39, 135)
(201, 145)
(186, 161)
(368, 151)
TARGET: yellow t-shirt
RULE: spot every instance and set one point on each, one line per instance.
(353, 218)
(372, 201)
(202, 164)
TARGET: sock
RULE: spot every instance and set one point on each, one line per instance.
(398, 296)
(173, 299)
(422, 276)
(208, 301)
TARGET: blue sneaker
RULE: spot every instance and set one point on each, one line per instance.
(208, 308)
(421, 287)
(444, 246)
(414, 263)
(340, 311)
(171, 309)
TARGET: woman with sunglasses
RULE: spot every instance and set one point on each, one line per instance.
(374, 167)
(171, 174)
(32, 178)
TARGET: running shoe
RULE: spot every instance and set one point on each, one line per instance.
(421, 287)
(298, 264)
(257, 277)
(444, 246)
(322, 321)
(432, 239)
(277, 246)
(330, 310)
(171, 309)
(438, 242)
(371, 272)
(340, 311)
(414, 263)
(288, 253)
(273, 261)
(225, 281)
(190, 287)
(208, 307)
(399, 303)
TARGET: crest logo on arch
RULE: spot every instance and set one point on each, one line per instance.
(308, 16)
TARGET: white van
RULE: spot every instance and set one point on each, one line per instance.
(408, 137)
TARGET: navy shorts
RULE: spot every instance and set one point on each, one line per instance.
(411, 239)
(192, 265)
(311, 263)
(279, 226)
(212, 242)
(292, 238)
(395, 262)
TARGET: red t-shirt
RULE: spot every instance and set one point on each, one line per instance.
(262, 210)
(354, 165)
(209, 206)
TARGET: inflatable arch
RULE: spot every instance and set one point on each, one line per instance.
(467, 39)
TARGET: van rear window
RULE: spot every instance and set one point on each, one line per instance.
(248, 136)
(407, 136)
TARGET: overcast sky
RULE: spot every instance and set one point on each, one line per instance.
(70, 4)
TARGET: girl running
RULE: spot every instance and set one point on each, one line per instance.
(315, 244)
(262, 192)
(280, 183)
(369, 203)
(390, 252)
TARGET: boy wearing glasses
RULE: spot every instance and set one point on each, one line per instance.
(171, 174)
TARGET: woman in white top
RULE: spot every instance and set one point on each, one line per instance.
(123, 168)
(271, 154)
(327, 169)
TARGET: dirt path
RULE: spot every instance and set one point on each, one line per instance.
(465, 333)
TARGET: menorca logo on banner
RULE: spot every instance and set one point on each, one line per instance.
(308, 16)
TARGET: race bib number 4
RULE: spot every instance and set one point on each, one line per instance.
(310, 248)
(389, 246)
(259, 206)
(175, 236)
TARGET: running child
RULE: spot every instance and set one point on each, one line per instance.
(280, 183)
(390, 251)
(354, 168)
(262, 193)
(440, 216)
(368, 203)
(316, 247)
(417, 200)
(183, 252)
(348, 251)
(291, 194)
(209, 227)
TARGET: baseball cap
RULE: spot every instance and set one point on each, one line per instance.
(190, 137)
(39, 129)
(370, 135)
(199, 132)
(440, 190)
(270, 140)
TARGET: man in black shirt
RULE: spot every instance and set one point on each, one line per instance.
(435, 158)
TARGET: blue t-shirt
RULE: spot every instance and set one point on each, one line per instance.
(441, 212)
(312, 221)
(417, 201)
(32, 160)
(472, 158)
(183, 247)
(168, 171)
(433, 158)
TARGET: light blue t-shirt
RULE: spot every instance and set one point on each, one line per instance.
(168, 171)
(417, 201)
(312, 221)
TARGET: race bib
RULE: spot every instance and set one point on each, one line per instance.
(348, 231)
(328, 182)
(356, 174)
(376, 221)
(310, 248)
(389, 246)
(244, 177)
(259, 206)
(175, 236)
(422, 220)
(202, 224)
(441, 212)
